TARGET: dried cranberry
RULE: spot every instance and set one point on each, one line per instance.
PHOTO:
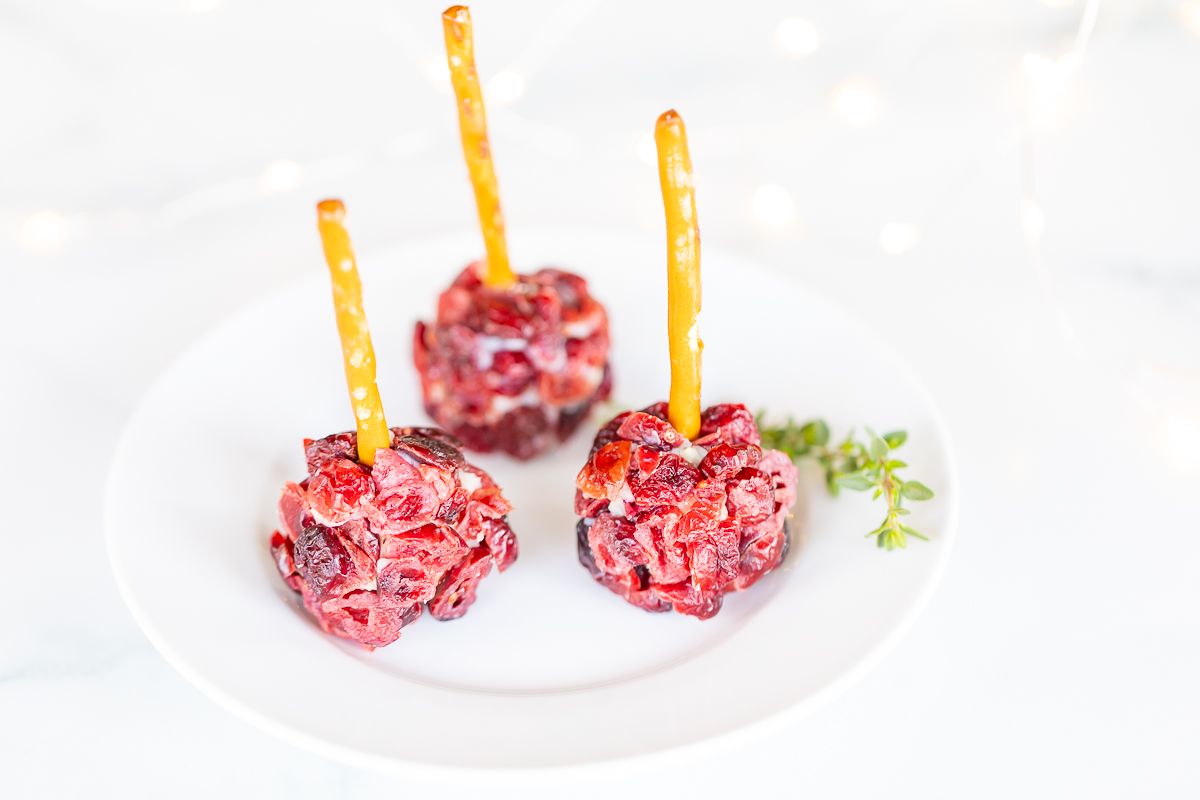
(457, 590)
(408, 506)
(608, 434)
(730, 422)
(648, 460)
(522, 432)
(339, 445)
(751, 496)
(428, 449)
(584, 549)
(687, 599)
(725, 460)
(281, 551)
(337, 490)
(511, 373)
(486, 503)
(671, 482)
(614, 545)
(605, 470)
(431, 433)
(589, 507)
(656, 410)
(651, 431)
(435, 547)
(329, 563)
(759, 556)
(292, 507)
(501, 541)
(360, 616)
(405, 581)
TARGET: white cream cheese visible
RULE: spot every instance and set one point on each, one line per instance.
(469, 480)
(691, 453)
(488, 346)
(502, 403)
(581, 328)
(625, 495)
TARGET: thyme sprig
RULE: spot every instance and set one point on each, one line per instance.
(858, 465)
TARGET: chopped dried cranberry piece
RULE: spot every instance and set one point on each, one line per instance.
(585, 550)
(281, 551)
(608, 433)
(428, 449)
(337, 490)
(486, 503)
(432, 433)
(407, 506)
(687, 599)
(725, 460)
(339, 445)
(614, 545)
(730, 422)
(587, 506)
(511, 373)
(501, 541)
(403, 582)
(751, 496)
(360, 616)
(647, 460)
(605, 471)
(651, 431)
(457, 590)
(292, 508)
(671, 482)
(758, 557)
(330, 563)
(523, 432)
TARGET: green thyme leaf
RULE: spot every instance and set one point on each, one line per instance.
(815, 433)
(855, 482)
(855, 464)
(915, 490)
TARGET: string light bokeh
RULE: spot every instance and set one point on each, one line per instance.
(1044, 79)
(857, 101)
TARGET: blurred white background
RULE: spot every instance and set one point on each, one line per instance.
(1008, 189)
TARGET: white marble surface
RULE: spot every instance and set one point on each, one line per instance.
(1059, 656)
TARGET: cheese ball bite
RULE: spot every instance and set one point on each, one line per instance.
(512, 362)
(670, 523)
(388, 522)
(368, 548)
(514, 369)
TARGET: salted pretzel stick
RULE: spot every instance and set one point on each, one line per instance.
(683, 272)
(472, 123)
(357, 353)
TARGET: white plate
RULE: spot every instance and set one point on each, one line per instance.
(548, 669)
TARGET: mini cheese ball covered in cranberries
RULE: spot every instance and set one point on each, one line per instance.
(514, 368)
(368, 548)
(669, 523)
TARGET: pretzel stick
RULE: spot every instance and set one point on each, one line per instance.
(683, 272)
(357, 353)
(472, 123)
